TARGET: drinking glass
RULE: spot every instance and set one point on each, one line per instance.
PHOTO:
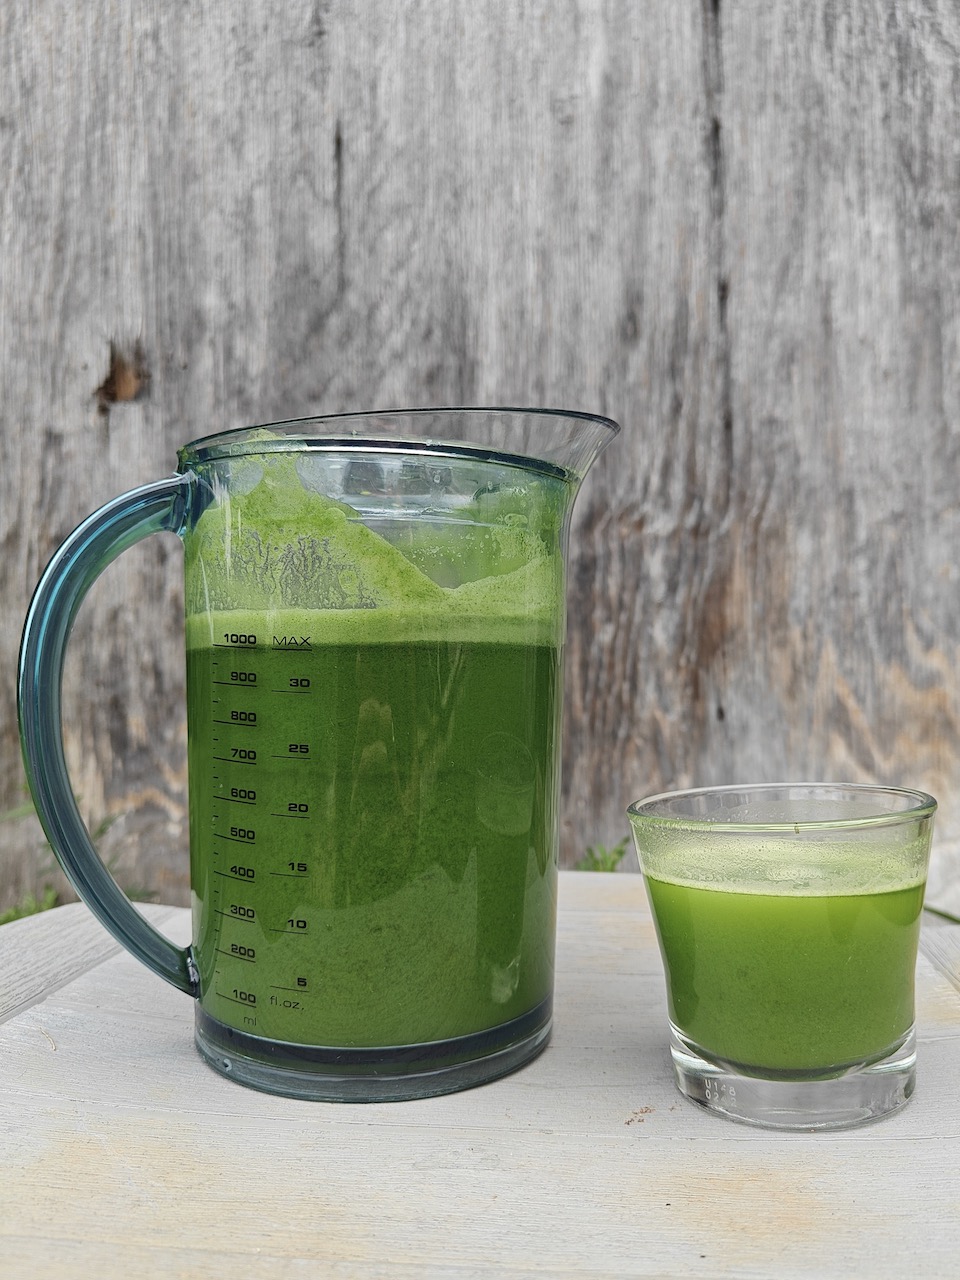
(788, 918)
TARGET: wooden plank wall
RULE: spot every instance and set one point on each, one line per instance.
(732, 226)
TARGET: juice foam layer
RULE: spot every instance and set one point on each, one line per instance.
(282, 559)
(895, 859)
(367, 626)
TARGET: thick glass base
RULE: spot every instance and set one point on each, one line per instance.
(856, 1096)
(390, 1074)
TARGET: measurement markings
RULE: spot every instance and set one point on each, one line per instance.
(231, 955)
(304, 817)
(231, 916)
(234, 840)
(291, 875)
(234, 760)
(232, 799)
(247, 1004)
(277, 987)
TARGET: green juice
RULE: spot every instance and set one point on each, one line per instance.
(373, 760)
(788, 982)
(372, 834)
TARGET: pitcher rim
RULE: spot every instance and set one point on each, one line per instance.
(416, 411)
(235, 441)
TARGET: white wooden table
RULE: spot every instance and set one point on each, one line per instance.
(123, 1154)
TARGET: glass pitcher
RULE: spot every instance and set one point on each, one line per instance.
(374, 633)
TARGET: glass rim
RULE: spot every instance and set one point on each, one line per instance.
(921, 806)
(333, 431)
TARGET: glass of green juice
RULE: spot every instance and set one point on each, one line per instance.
(788, 918)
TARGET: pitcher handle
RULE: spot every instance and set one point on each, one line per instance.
(65, 582)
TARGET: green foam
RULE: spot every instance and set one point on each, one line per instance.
(338, 580)
(768, 864)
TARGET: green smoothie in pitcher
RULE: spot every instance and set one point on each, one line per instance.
(373, 780)
(374, 609)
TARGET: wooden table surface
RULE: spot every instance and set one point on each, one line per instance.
(123, 1154)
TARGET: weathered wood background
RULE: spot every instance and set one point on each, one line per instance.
(730, 225)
